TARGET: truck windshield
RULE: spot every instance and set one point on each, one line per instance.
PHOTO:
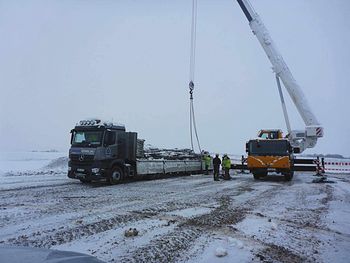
(87, 138)
(269, 147)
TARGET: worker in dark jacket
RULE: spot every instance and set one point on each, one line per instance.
(216, 164)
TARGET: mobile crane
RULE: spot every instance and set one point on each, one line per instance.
(276, 154)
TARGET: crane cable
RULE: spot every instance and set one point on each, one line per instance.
(191, 77)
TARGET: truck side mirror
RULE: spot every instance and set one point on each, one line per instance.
(246, 147)
(71, 136)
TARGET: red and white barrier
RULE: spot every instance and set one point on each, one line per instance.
(337, 165)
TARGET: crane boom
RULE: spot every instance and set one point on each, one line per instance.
(299, 139)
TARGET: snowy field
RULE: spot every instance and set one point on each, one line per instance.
(181, 219)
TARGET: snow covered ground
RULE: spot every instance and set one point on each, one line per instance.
(180, 219)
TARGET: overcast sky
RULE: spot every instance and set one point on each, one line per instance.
(62, 61)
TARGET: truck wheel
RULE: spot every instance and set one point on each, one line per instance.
(116, 175)
(84, 181)
(288, 176)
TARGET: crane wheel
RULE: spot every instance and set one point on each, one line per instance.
(288, 175)
(256, 176)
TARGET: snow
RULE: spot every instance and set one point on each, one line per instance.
(220, 252)
(188, 219)
(190, 212)
(26, 161)
(224, 250)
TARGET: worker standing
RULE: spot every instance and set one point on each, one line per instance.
(226, 164)
(216, 164)
(207, 161)
(223, 165)
(243, 160)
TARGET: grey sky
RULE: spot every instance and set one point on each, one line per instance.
(62, 61)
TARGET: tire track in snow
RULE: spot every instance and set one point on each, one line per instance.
(175, 245)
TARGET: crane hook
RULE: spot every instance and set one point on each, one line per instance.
(191, 86)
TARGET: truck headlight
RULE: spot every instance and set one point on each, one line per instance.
(69, 169)
(95, 170)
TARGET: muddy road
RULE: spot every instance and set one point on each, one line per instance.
(181, 219)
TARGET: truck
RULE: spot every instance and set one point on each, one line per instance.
(105, 151)
(270, 155)
(270, 151)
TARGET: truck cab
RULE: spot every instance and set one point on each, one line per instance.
(101, 151)
(270, 155)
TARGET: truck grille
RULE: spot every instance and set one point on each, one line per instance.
(81, 159)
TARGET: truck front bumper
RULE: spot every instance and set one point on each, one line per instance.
(87, 173)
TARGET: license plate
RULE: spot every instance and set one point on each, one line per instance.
(80, 170)
(78, 175)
